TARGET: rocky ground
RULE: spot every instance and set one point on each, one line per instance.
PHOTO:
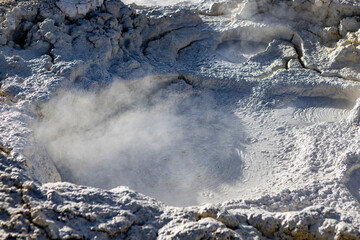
(283, 80)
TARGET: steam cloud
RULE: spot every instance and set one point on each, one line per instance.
(163, 139)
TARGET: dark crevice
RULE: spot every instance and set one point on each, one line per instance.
(300, 54)
(51, 54)
(315, 69)
(188, 45)
(186, 80)
(146, 43)
(20, 35)
(317, 35)
(339, 76)
(69, 21)
(39, 17)
(298, 50)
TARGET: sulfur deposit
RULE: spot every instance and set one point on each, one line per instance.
(213, 119)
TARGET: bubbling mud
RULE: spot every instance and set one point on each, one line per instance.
(180, 144)
(304, 110)
(170, 144)
(238, 51)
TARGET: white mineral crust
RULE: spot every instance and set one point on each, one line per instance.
(214, 119)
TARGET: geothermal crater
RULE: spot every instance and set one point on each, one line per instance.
(181, 144)
(219, 119)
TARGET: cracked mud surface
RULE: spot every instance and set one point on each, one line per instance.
(244, 113)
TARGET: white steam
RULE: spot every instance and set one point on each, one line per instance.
(160, 138)
(238, 51)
